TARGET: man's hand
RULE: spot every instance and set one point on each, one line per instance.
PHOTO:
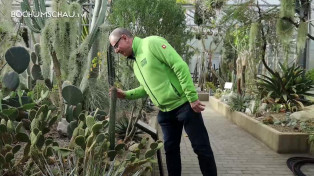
(197, 106)
(120, 93)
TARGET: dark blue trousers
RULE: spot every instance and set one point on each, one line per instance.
(171, 124)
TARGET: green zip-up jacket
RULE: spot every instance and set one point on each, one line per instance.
(162, 74)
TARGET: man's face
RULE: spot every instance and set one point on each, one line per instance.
(122, 45)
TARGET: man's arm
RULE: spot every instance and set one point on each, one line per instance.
(136, 93)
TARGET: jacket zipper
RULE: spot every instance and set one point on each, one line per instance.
(146, 83)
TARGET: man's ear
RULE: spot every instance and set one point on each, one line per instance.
(124, 37)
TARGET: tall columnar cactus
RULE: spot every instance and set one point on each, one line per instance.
(112, 117)
(59, 41)
(110, 66)
(100, 11)
(98, 18)
(34, 23)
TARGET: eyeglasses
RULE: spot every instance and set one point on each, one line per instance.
(115, 46)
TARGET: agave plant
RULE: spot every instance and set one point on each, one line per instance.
(238, 103)
(122, 127)
(288, 85)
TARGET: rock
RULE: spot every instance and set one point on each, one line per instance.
(226, 98)
(250, 108)
(309, 108)
(133, 147)
(62, 127)
(259, 118)
(263, 107)
(252, 104)
(248, 111)
(268, 120)
(303, 115)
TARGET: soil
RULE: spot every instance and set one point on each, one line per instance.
(282, 127)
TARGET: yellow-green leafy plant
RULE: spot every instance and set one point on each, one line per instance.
(210, 85)
(218, 93)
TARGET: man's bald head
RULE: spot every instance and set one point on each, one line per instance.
(121, 40)
(118, 32)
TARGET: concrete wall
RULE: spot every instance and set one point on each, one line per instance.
(278, 141)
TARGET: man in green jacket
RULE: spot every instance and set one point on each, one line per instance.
(166, 79)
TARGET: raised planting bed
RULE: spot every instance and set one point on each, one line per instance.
(280, 142)
(203, 96)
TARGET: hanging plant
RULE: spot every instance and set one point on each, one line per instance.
(302, 34)
(253, 38)
(198, 17)
(216, 4)
(287, 8)
(284, 25)
(284, 30)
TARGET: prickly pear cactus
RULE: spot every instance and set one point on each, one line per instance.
(37, 52)
(10, 132)
(36, 73)
(34, 57)
(73, 115)
(11, 80)
(72, 95)
(70, 129)
(18, 58)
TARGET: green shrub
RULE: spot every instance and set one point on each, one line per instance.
(289, 85)
(310, 74)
